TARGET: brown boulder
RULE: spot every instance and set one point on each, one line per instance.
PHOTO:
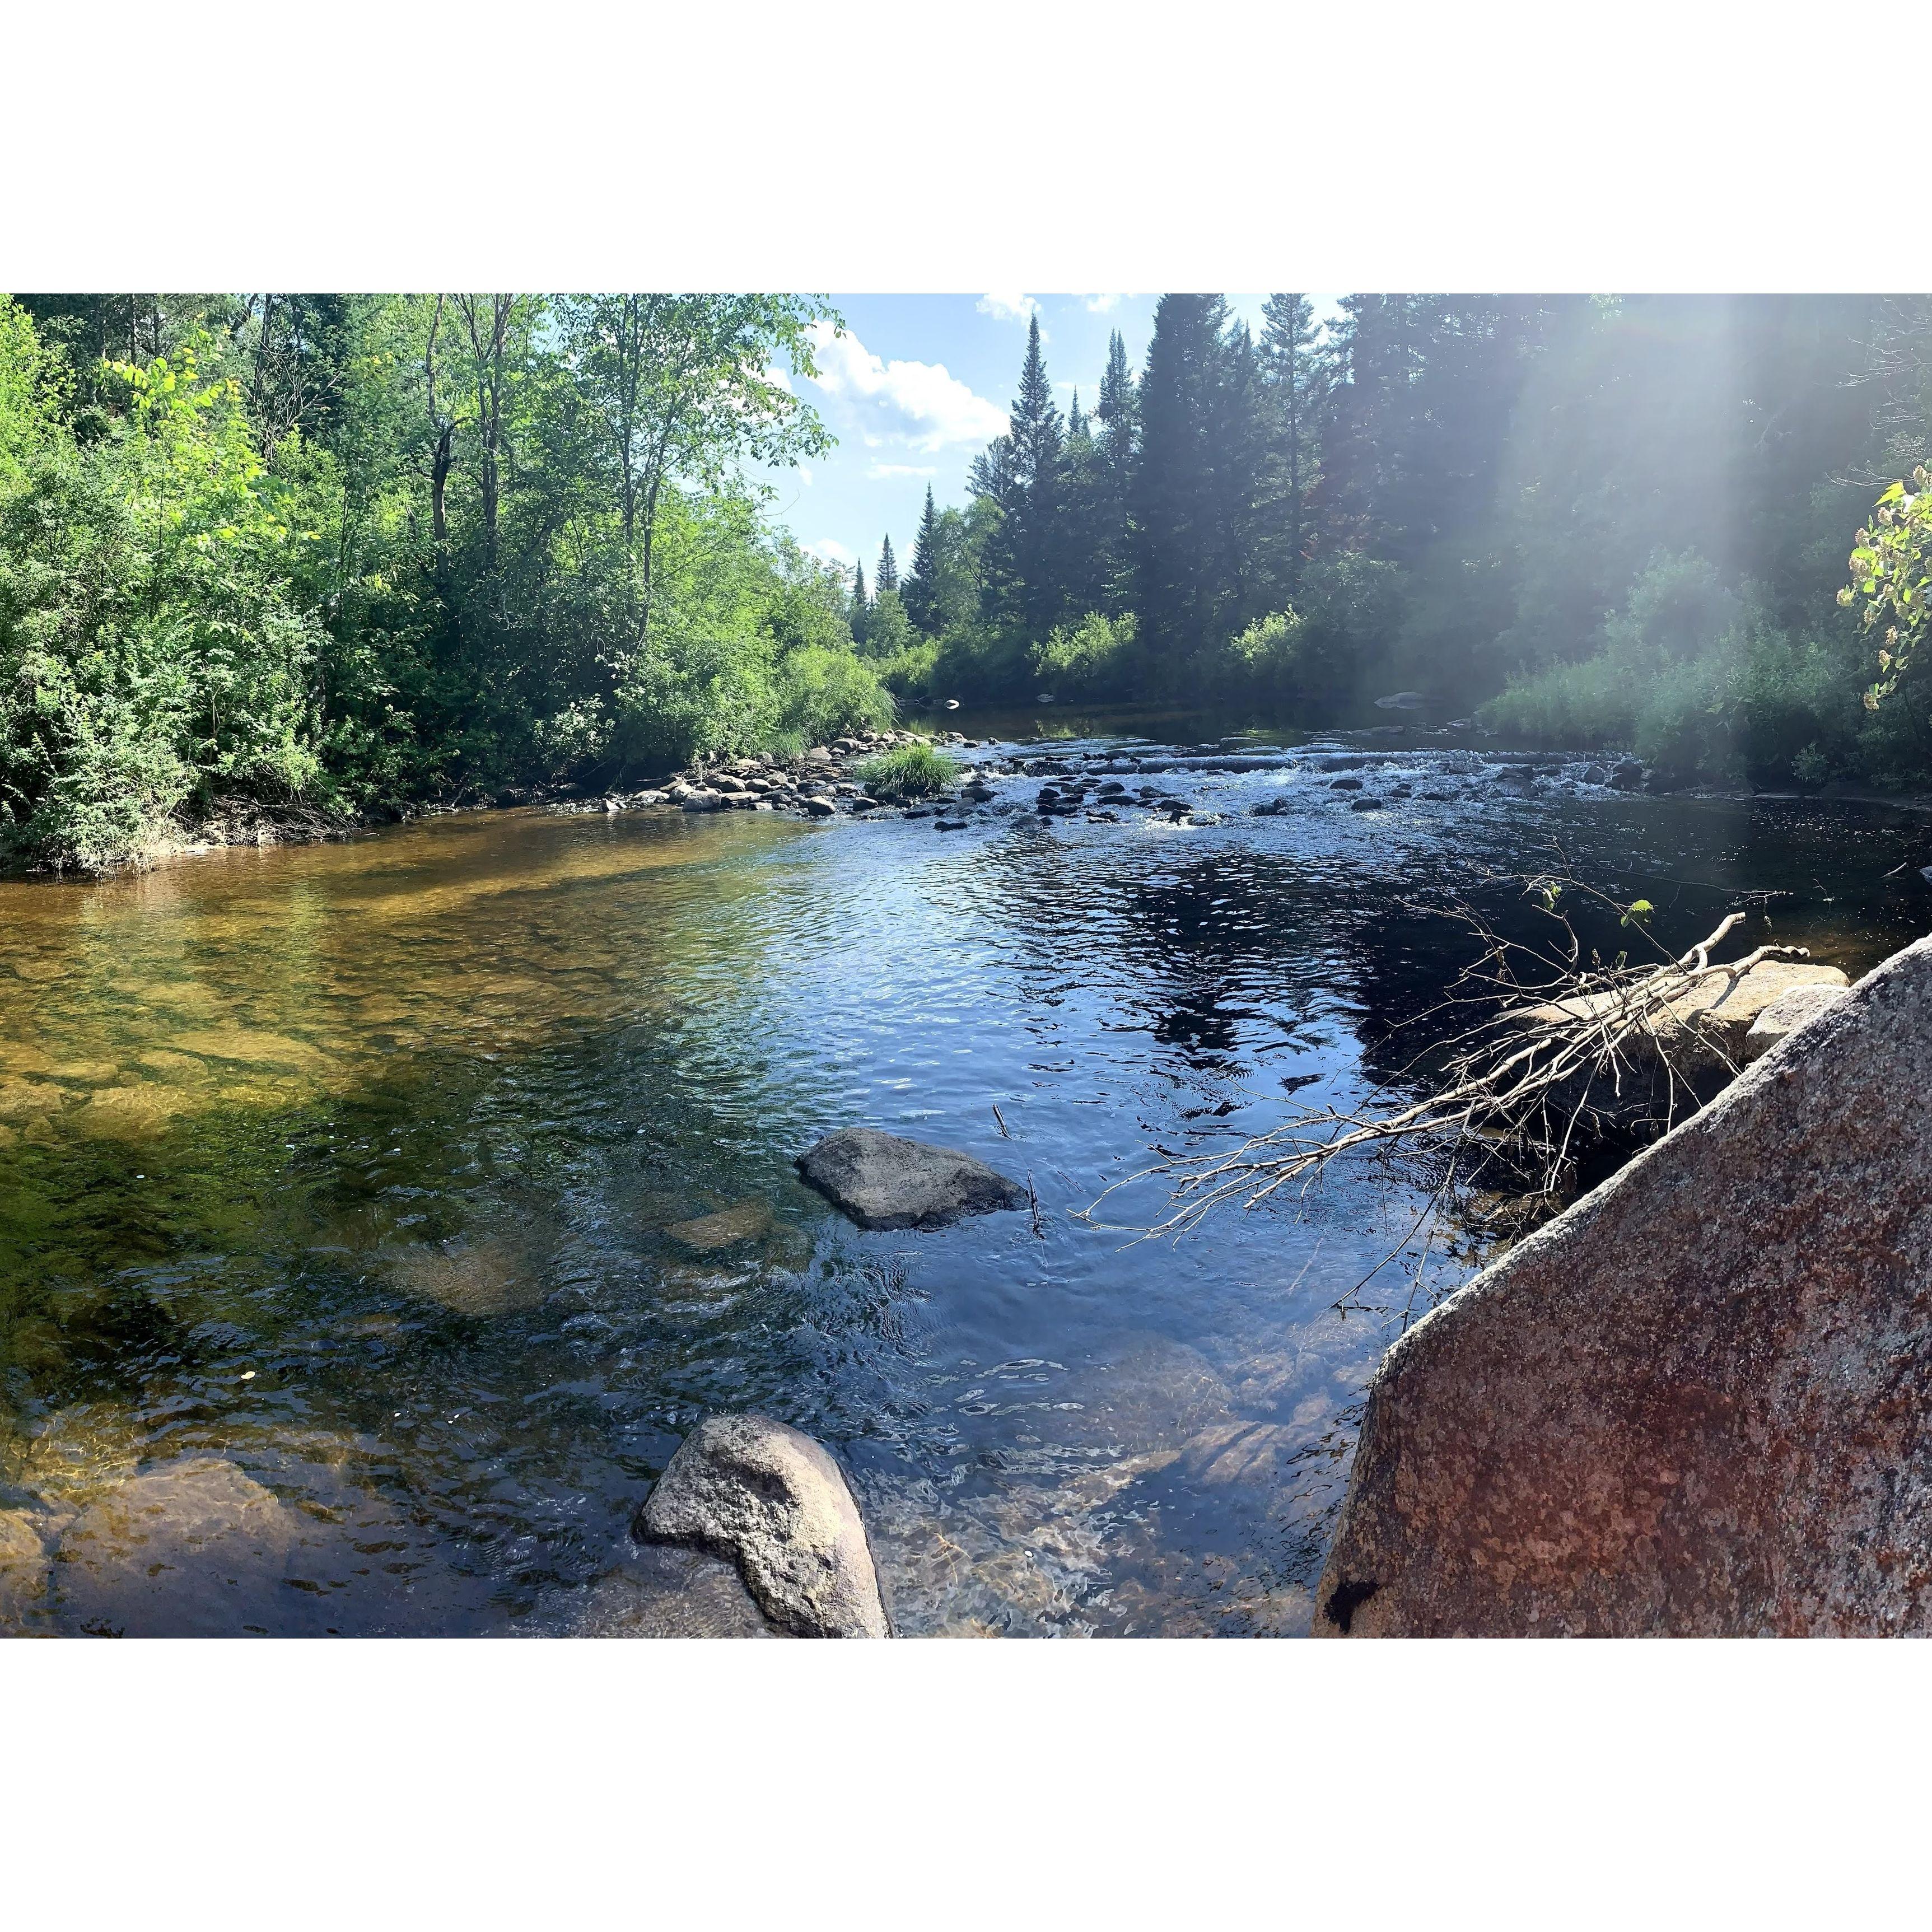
(1786, 1014)
(1696, 1403)
(1717, 1012)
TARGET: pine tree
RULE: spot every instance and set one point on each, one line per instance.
(1292, 372)
(919, 592)
(862, 609)
(1076, 424)
(888, 578)
(1196, 498)
(1023, 586)
(1118, 410)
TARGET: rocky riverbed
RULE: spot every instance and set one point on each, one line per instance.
(995, 778)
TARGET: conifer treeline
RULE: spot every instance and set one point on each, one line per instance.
(1449, 494)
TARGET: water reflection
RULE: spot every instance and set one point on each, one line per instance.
(375, 1218)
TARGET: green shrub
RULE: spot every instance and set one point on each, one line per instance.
(151, 657)
(911, 673)
(825, 694)
(1086, 659)
(910, 771)
(1695, 678)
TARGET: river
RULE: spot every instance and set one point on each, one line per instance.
(440, 1180)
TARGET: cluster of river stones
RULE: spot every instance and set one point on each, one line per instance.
(1099, 787)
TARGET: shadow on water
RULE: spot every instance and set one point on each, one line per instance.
(374, 1219)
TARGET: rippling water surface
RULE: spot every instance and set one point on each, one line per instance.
(437, 1182)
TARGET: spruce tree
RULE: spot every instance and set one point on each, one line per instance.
(1196, 495)
(861, 610)
(1117, 411)
(1025, 590)
(920, 593)
(1292, 373)
(888, 578)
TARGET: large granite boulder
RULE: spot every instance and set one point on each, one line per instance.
(774, 1502)
(1696, 1403)
(884, 1181)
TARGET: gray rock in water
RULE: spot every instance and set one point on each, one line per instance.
(884, 1181)
(774, 1502)
(1693, 1404)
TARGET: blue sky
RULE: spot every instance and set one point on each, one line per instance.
(919, 385)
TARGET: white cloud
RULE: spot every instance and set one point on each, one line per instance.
(1009, 308)
(1101, 304)
(832, 551)
(804, 476)
(884, 469)
(918, 405)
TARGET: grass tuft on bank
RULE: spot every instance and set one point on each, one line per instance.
(911, 771)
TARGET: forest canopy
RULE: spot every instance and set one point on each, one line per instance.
(323, 557)
(1606, 521)
(330, 555)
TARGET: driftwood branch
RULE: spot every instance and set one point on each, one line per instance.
(1546, 1054)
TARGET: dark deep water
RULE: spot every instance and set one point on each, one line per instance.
(439, 1181)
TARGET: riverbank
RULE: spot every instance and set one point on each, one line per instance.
(789, 784)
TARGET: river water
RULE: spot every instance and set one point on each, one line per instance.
(437, 1182)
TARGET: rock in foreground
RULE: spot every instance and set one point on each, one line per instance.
(773, 1501)
(1694, 1404)
(884, 1181)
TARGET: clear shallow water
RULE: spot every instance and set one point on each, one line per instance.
(440, 1181)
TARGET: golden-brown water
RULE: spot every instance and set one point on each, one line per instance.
(375, 1218)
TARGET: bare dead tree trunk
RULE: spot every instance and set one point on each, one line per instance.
(440, 455)
(488, 338)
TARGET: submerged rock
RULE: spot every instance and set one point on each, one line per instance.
(192, 1548)
(669, 1592)
(707, 1233)
(882, 1181)
(1693, 1404)
(23, 1572)
(774, 1502)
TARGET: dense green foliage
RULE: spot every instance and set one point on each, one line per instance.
(322, 555)
(1620, 521)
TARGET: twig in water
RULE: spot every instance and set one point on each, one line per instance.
(1002, 1119)
(1554, 1051)
(1033, 1203)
